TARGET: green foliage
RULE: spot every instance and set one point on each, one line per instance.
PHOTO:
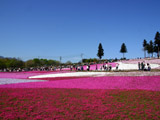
(41, 62)
(151, 48)
(90, 60)
(68, 62)
(157, 39)
(2, 64)
(36, 62)
(11, 63)
(123, 49)
(144, 47)
(17, 63)
(100, 51)
(157, 43)
(29, 63)
(144, 44)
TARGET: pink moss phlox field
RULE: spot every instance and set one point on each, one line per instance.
(135, 61)
(25, 75)
(112, 82)
(77, 104)
(104, 98)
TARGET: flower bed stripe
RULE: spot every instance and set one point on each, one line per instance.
(113, 82)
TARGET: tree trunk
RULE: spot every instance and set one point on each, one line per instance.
(123, 55)
(158, 53)
(144, 54)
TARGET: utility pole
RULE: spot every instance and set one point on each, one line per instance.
(82, 57)
(60, 59)
(60, 63)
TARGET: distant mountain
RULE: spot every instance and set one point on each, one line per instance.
(1, 57)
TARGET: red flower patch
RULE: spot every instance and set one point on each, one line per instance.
(48, 103)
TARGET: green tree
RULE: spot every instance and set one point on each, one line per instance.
(36, 62)
(2, 63)
(151, 48)
(29, 63)
(14, 63)
(100, 51)
(68, 63)
(43, 62)
(144, 47)
(157, 43)
(123, 49)
(148, 49)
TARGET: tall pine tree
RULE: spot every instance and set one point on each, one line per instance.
(144, 47)
(151, 47)
(100, 51)
(157, 43)
(123, 49)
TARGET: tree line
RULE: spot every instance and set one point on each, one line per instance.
(149, 47)
(100, 53)
(18, 63)
(152, 47)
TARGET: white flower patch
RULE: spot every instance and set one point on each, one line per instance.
(74, 74)
(124, 66)
(11, 81)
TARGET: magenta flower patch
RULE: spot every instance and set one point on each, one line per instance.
(116, 82)
(78, 104)
(114, 97)
(25, 75)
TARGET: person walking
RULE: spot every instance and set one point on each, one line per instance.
(88, 67)
(96, 67)
(139, 66)
(82, 68)
(142, 66)
(149, 67)
(117, 65)
(106, 67)
(110, 67)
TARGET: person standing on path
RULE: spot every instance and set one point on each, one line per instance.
(139, 66)
(117, 65)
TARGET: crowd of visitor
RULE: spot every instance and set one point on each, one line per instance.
(103, 67)
(106, 67)
(144, 67)
(42, 68)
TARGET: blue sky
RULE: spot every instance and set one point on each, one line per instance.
(67, 28)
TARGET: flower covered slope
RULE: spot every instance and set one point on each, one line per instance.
(113, 95)
(77, 104)
(135, 61)
(86, 80)
(25, 75)
(133, 66)
(75, 74)
(117, 82)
